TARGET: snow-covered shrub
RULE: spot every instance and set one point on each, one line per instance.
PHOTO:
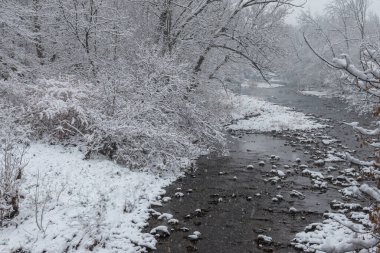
(147, 116)
(57, 107)
(11, 169)
(366, 79)
(141, 114)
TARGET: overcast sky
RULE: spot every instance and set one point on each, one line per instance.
(317, 6)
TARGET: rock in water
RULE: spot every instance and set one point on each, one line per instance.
(161, 231)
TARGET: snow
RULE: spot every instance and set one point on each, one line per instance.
(264, 239)
(334, 158)
(351, 191)
(173, 221)
(163, 229)
(280, 173)
(313, 174)
(315, 93)
(374, 193)
(334, 234)
(87, 203)
(254, 114)
(329, 141)
(371, 132)
(264, 85)
(165, 216)
(354, 160)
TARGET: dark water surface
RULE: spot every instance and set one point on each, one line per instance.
(236, 203)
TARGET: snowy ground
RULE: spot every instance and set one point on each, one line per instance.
(254, 114)
(82, 205)
(337, 233)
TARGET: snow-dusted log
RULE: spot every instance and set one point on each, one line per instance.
(374, 193)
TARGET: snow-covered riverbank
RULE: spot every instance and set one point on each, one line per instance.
(81, 204)
(255, 114)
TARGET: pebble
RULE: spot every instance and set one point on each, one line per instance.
(280, 197)
(166, 199)
(179, 194)
(193, 238)
(280, 173)
(173, 221)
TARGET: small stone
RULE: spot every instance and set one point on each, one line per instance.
(179, 194)
(193, 238)
(319, 162)
(166, 199)
(250, 167)
(197, 233)
(261, 163)
(160, 231)
(249, 198)
(173, 221)
(280, 173)
(264, 240)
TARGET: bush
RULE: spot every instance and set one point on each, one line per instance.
(11, 169)
(140, 115)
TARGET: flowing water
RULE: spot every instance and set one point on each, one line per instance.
(236, 203)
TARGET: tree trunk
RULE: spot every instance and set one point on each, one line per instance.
(37, 30)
